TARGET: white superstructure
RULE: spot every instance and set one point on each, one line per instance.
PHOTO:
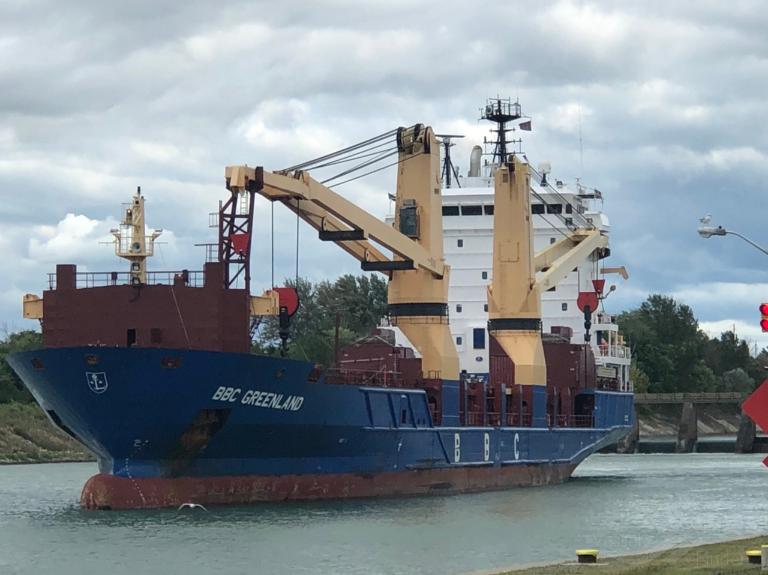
(468, 236)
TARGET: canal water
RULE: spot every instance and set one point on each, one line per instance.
(617, 503)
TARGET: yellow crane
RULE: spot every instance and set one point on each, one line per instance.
(418, 275)
(519, 277)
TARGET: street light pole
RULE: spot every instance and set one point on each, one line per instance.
(707, 231)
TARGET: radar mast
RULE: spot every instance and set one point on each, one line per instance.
(502, 112)
(131, 241)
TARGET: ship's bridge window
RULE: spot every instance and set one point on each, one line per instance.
(450, 210)
(554, 208)
(478, 338)
(488, 210)
(471, 210)
(537, 208)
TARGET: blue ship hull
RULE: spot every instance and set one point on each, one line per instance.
(217, 427)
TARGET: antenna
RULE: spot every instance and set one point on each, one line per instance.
(581, 147)
(448, 167)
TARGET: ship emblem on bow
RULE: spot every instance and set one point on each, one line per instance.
(97, 381)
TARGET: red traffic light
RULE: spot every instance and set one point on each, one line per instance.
(764, 313)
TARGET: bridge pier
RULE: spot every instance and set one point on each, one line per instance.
(745, 439)
(687, 432)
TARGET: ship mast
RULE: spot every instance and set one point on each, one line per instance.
(502, 112)
(448, 170)
(131, 241)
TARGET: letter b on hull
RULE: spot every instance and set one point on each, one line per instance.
(456, 447)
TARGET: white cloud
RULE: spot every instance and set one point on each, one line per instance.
(156, 152)
(74, 237)
(288, 125)
(568, 117)
(586, 26)
(219, 43)
(7, 137)
(722, 293)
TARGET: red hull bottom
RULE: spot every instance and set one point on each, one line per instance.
(110, 492)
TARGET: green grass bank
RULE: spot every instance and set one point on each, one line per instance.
(26, 436)
(726, 558)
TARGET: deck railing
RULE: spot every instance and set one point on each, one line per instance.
(703, 397)
(367, 377)
(617, 351)
(103, 279)
(571, 421)
(516, 420)
(492, 418)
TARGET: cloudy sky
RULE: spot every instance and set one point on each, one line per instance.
(99, 97)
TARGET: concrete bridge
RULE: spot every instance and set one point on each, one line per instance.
(687, 431)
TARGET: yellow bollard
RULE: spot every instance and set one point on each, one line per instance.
(586, 555)
(754, 556)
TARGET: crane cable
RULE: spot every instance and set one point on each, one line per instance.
(314, 162)
(372, 151)
(575, 216)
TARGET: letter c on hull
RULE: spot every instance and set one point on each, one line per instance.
(517, 450)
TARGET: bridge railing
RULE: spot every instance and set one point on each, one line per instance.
(702, 397)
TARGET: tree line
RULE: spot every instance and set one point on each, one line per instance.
(11, 388)
(357, 303)
(672, 354)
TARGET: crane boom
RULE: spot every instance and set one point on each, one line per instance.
(336, 214)
(558, 259)
(418, 287)
(330, 227)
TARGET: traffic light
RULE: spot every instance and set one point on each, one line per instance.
(764, 319)
(588, 321)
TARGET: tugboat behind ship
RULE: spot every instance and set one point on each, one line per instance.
(152, 371)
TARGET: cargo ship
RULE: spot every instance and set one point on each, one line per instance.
(153, 371)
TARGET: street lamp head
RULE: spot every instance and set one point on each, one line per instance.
(706, 230)
(709, 231)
